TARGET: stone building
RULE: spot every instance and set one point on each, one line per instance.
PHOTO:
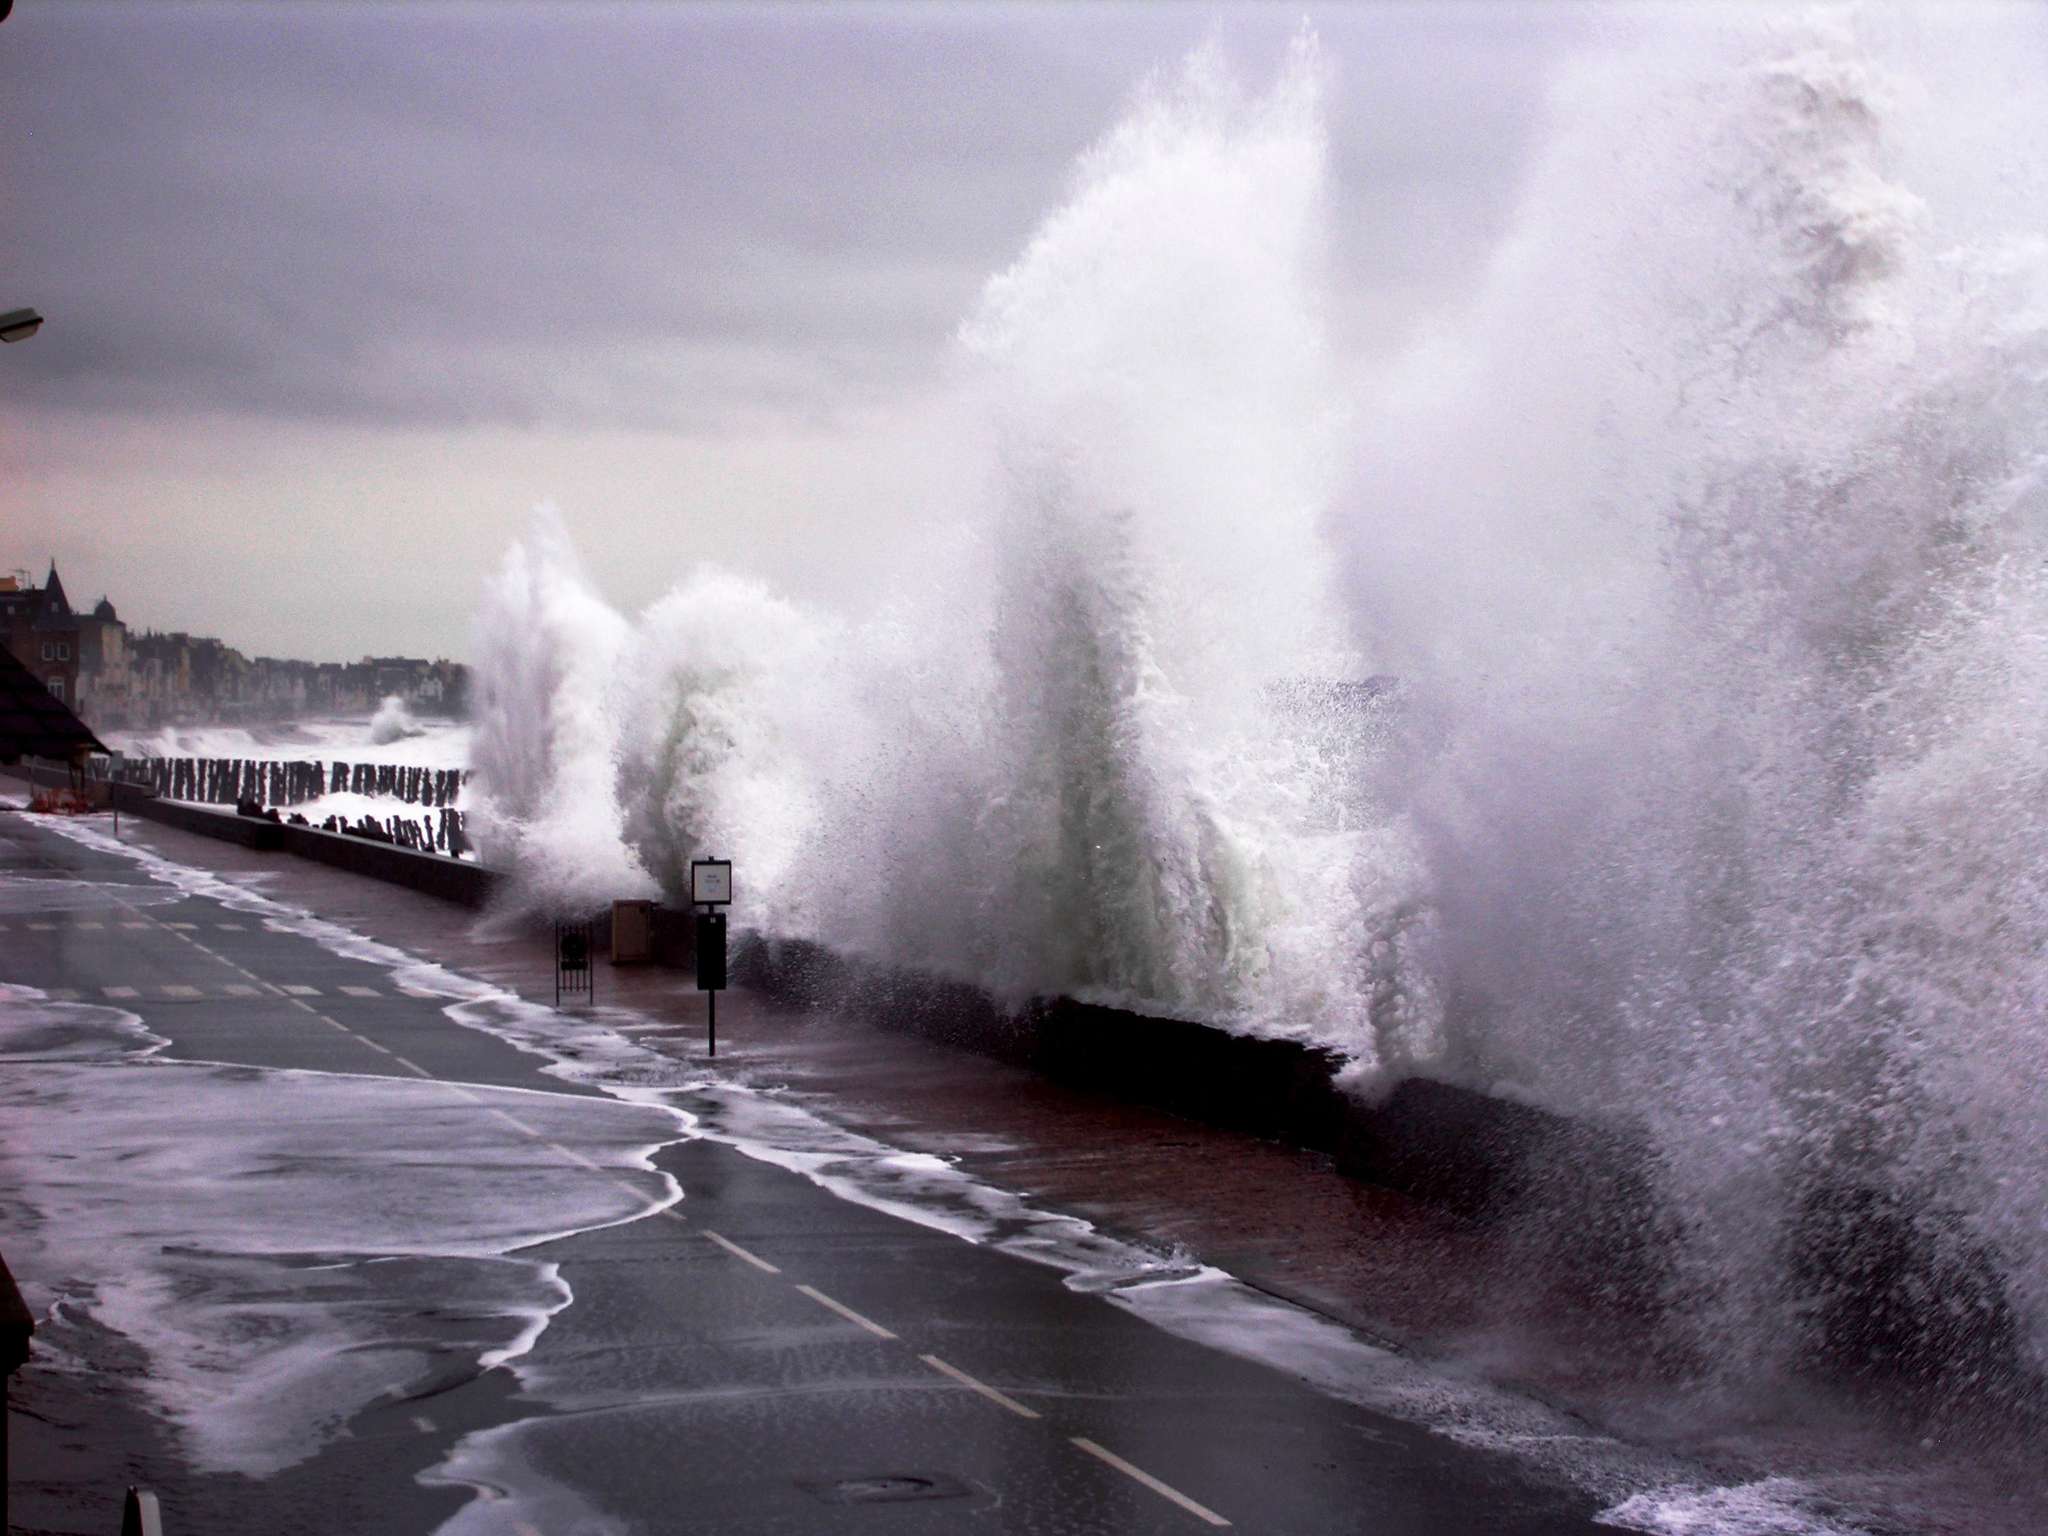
(106, 683)
(41, 631)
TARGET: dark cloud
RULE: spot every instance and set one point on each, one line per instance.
(643, 216)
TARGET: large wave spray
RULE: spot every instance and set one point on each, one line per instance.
(1155, 802)
(1712, 542)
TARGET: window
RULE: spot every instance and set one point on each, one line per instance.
(63, 650)
(57, 687)
(49, 650)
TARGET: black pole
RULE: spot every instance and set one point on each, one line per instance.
(712, 999)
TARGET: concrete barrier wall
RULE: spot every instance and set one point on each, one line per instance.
(455, 880)
(435, 874)
(207, 820)
(1448, 1145)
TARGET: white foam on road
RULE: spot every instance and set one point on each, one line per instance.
(35, 1027)
(289, 1247)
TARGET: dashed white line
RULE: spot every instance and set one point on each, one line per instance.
(230, 927)
(1140, 1475)
(292, 989)
(63, 994)
(119, 992)
(90, 927)
(179, 991)
(241, 989)
(579, 1159)
(135, 925)
(846, 1312)
(181, 927)
(982, 1387)
(410, 1066)
(515, 1122)
(423, 1424)
(361, 992)
(42, 927)
(738, 1252)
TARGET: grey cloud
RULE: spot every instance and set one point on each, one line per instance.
(641, 216)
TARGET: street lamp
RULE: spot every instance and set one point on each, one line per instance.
(19, 324)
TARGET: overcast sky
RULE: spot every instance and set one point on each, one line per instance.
(337, 292)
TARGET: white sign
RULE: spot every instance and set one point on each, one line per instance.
(711, 882)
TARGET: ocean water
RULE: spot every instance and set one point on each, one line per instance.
(390, 736)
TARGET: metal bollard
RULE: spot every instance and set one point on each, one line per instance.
(139, 1515)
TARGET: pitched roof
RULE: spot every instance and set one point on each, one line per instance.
(33, 721)
(53, 593)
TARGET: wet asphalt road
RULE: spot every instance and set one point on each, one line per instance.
(774, 1359)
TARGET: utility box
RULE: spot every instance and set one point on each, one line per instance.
(632, 932)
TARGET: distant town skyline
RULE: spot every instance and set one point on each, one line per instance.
(337, 293)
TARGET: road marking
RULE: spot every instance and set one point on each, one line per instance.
(423, 1424)
(241, 989)
(361, 992)
(42, 927)
(845, 1311)
(135, 925)
(410, 1066)
(738, 1252)
(63, 994)
(90, 927)
(230, 927)
(583, 1162)
(179, 991)
(982, 1387)
(119, 992)
(298, 990)
(1140, 1475)
(181, 927)
(516, 1123)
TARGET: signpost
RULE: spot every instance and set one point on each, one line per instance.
(711, 889)
(572, 961)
